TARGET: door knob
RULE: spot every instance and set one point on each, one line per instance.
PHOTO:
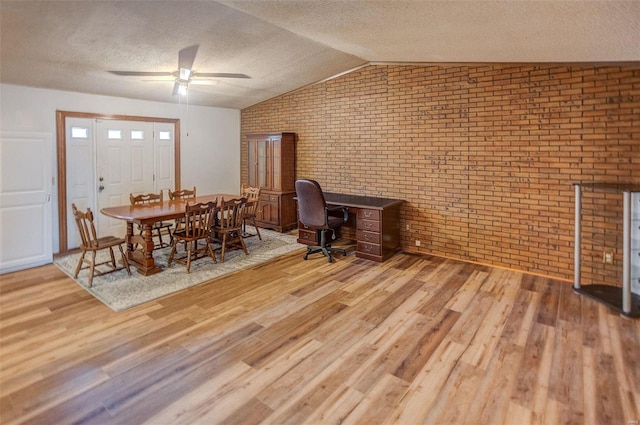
(100, 188)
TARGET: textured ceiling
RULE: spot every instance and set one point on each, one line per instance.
(284, 45)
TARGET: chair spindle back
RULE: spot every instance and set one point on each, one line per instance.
(231, 214)
(199, 219)
(182, 194)
(86, 227)
(148, 198)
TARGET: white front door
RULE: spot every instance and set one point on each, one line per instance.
(25, 200)
(164, 143)
(125, 165)
(81, 187)
(129, 157)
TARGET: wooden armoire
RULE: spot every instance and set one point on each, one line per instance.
(271, 166)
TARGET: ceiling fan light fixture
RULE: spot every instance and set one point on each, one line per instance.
(185, 74)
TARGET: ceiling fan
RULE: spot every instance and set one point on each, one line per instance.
(185, 74)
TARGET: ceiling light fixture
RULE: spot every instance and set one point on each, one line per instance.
(182, 88)
(185, 74)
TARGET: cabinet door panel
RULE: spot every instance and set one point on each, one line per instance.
(263, 160)
(253, 163)
(276, 162)
(275, 213)
(270, 212)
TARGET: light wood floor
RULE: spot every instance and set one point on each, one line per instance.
(414, 340)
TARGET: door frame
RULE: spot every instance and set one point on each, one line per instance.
(61, 147)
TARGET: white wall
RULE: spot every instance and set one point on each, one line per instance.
(210, 137)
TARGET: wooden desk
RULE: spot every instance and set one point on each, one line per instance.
(375, 223)
(146, 215)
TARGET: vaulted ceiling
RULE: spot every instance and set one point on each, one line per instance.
(283, 45)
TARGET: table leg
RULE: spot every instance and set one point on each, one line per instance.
(128, 237)
(142, 259)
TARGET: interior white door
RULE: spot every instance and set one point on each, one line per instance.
(125, 165)
(25, 200)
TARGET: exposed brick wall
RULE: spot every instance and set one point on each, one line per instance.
(485, 156)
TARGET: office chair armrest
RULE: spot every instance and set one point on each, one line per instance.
(345, 211)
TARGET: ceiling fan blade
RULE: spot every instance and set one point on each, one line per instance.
(187, 56)
(176, 87)
(142, 73)
(204, 82)
(219, 75)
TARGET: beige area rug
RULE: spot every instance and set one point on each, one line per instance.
(120, 291)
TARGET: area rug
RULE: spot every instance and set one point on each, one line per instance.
(120, 291)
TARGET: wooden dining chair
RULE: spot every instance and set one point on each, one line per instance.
(198, 222)
(91, 244)
(159, 227)
(181, 194)
(228, 228)
(252, 194)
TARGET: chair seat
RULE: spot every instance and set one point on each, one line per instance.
(108, 241)
(334, 222)
(163, 225)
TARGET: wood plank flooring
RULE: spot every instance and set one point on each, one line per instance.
(414, 340)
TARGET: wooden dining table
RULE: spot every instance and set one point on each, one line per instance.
(145, 216)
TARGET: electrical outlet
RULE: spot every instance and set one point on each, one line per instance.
(607, 257)
(417, 242)
(408, 226)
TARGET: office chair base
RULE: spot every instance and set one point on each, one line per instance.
(326, 251)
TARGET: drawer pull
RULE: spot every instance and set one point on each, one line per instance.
(368, 225)
(368, 238)
(368, 214)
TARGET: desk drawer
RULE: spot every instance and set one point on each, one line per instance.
(368, 225)
(370, 237)
(369, 248)
(307, 236)
(367, 214)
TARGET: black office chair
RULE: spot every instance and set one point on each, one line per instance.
(313, 212)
